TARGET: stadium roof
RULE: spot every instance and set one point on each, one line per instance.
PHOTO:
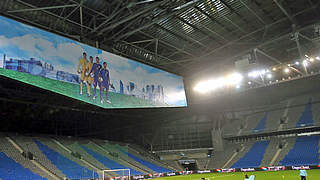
(180, 36)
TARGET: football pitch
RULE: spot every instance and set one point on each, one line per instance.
(260, 175)
(73, 91)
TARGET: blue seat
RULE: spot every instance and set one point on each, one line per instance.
(304, 152)
(306, 118)
(147, 164)
(109, 163)
(254, 156)
(11, 170)
(262, 124)
(70, 168)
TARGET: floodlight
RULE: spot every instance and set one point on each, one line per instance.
(202, 87)
(311, 59)
(234, 78)
(269, 76)
(305, 63)
(286, 70)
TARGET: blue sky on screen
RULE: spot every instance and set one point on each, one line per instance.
(21, 41)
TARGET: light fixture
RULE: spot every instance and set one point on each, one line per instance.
(286, 70)
(238, 86)
(274, 69)
(289, 65)
(311, 59)
(297, 63)
(249, 82)
(269, 76)
(317, 58)
(234, 78)
(305, 63)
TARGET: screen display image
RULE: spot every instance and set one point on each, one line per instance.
(76, 70)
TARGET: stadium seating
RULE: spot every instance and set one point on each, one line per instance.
(295, 111)
(175, 164)
(262, 124)
(11, 170)
(75, 146)
(219, 158)
(306, 118)
(304, 152)
(141, 153)
(254, 156)
(119, 149)
(28, 145)
(151, 166)
(109, 163)
(15, 155)
(71, 169)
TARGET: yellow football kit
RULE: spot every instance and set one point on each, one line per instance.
(89, 78)
(81, 68)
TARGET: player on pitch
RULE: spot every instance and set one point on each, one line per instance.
(105, 83)
(88, 76)
(81, 69)
(95, 73)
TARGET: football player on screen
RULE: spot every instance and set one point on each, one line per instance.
(95, 74)
(88, 76)
(81, 69)
(104, 78)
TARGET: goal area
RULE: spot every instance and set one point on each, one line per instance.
(114, 174)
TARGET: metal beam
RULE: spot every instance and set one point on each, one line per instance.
(147, 51)
(158, 19)
(128, 18)
(253, 12)
(262, 44)
(212, 19)
(268, 56)
(43, 8)
(163, 42)
(53, 14)
(142, 41)
(251, 33)
(182, 37)
(195, 27)
(285, 11)
(113, 14)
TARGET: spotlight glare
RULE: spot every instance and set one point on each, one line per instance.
(317, 58)
(274, 69)
(311, 59)
(286, 70)
(202, 87)
(238, 86)
(269, 76)
(297, 63)
(249, 82)
(234, 78)
(305, 63)
(289, 65)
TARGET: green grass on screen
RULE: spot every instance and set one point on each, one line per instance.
(73, 91)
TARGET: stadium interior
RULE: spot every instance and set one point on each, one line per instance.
(251, 71)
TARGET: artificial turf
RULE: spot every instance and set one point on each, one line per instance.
(260, 175)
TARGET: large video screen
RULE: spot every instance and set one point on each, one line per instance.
(76, 70)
